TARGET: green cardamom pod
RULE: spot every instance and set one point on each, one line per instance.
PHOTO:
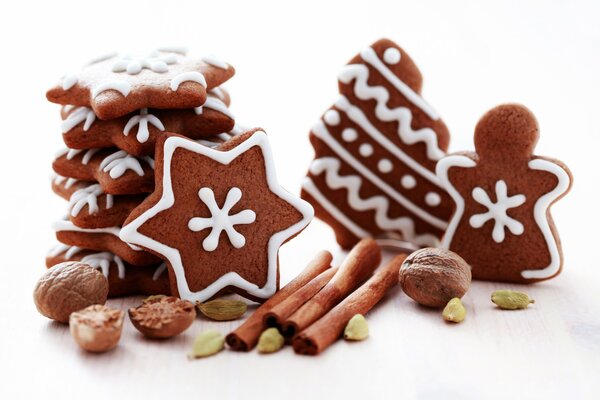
(357, 328)
(454, 311)
(222, 310)
(270, 341)
(511, 300)
(206, 344)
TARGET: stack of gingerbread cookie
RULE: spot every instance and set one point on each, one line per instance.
(113, 111)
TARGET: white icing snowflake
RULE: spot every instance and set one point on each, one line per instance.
(79, 115)
(498, 211)
(102, 262)
(220, 220)
(143, 120)
(154, 62)
(88, 196)
(119, 162)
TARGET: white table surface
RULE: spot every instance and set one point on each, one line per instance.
(287, 54)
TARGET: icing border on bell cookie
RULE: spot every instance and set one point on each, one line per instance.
(130, 232)
(540, 210)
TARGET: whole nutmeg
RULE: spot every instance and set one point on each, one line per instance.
(69, 287)
(432, 277)
(97, 328)
(161, 317)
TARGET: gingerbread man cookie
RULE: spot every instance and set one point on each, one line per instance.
(375, 154)
(123, 278)
(218, 217)
(136, 133)
(502, 224)
(115, 85)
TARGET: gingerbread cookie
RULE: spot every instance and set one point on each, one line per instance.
(65, 187)
(136, 133)
(218, 217)
(502, 224)
(375, 154)
(102, 239)
(91, 207)
(115, 85)
(123, 278)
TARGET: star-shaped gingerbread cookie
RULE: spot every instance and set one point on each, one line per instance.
(218, 217)
(115, 85)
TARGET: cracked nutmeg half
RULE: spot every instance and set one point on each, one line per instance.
(217, 217)
(97, 328)
(162, 317)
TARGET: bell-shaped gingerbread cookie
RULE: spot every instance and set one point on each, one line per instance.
(375, 154)
(502, 225)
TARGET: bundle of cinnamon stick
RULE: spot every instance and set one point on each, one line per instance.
(312, 311)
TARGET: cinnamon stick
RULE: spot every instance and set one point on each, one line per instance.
(245, 337)
(328, 329)
(356, 268)
(287, 307)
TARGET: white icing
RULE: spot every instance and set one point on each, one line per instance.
(79, 115)
(385, 166)
(190, 76)
(142, 121)
(541, 215)
(214, 104)
(69, 251)
(349, 135)
(63, 180)
(159, 271)
(322, 133)
(155, 62)
(392, 56)
(370, 56)
(68, 81)
(130, 233)
(402, 115)
(380, 204)
(433, 199)
(498, 211)
(442, 168)
(174, 49)
(102, 262)
(72, 153)
(358, 117)
(220, 220)
(365, 150)
(219, 92)
(122, 87)
(332, 117)
(120, 162)
(213, 60)
(88, 196)
(66, 225)
(408, 182)
(67, 107)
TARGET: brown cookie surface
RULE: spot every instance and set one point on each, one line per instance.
(136, 133)
(375, 154)
(115, 85)
(123, 278)
(217, 216)
(502, 224)
(102, 239)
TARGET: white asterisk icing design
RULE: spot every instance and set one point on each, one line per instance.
(143, 120)
(79, 115)
(102, 261)
(154, 61)
(88, 196)
(119, 162)
(220, 220)
(498, 211)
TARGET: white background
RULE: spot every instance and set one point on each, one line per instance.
(473, 55)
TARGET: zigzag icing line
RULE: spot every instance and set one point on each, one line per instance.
(402, 115)
(379, 204)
